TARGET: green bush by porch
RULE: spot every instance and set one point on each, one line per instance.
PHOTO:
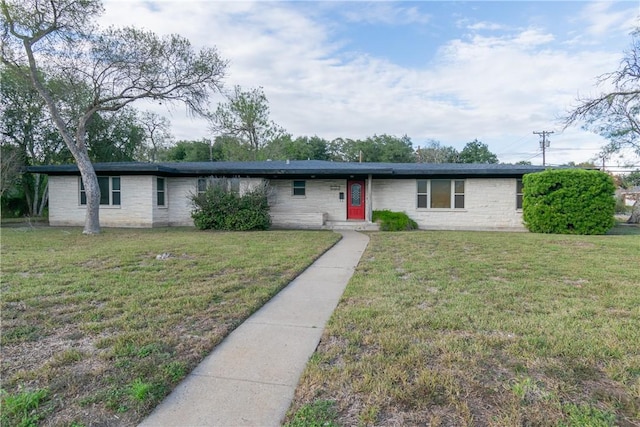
(569, 201)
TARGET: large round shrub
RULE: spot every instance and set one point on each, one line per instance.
(219, 208)
(568, 201)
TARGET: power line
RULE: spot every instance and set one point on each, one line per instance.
(544, 142)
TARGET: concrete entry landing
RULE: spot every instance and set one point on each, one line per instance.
(249, 379)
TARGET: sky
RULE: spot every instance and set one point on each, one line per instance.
(450, 71)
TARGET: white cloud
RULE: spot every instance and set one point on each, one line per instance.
(496, 89)
(387, 13)
(601, 19)
(485, 26)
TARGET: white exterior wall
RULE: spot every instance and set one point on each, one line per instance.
(160, 213)
(490, 203)
(137, 196)
(179, 191)
(320, 203)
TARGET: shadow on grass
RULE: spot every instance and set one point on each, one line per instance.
(624, 229)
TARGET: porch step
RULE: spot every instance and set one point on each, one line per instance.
(351, 225)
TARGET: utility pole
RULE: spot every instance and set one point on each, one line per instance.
(544, 143)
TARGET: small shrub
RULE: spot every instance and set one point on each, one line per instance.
(221, 208)
(568, 201)
(394, 221)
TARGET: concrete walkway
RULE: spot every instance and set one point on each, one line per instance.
(250, 378)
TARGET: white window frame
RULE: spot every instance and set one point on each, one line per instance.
(163, 192)
(519, 194)
(428, 194)
(111, 191)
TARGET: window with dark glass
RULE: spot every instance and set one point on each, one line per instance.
(160, 191)
(299, 188)
(422, 193)
(458, 196)
(519, 193)
(109, 191)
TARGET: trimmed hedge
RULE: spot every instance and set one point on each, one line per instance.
(568, 201)
(394, 221)
(219, 208)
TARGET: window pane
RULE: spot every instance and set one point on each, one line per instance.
(459, 201)
(422, 186)
(519, 186)
(422, 200)
(440, 193)
(298, 188)
(459, 187)
(115, 183)
(116, 198)
(202, 185)
(160, 191)
(83, 195)
(356, 194)
(519, 201)
(103, 183)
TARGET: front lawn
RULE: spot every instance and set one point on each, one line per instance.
(96, 330)
(482, 329)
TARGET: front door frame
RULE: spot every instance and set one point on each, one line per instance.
(358, 213)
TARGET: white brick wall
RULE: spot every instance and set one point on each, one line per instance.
(322, 196)
(135, 210)
(489, 203)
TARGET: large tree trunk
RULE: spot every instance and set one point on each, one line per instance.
(76, 145)
(92, 191)
(45, 198)
(635, 214)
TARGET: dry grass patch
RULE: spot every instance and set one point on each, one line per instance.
(96, 330)
(484, 329)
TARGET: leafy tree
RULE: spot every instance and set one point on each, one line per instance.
(192, 151)
(157, 135)
(245, 116)
(378, 148)
(301, 148)
(615, 113)
(476, 152)
(99, 70)
(26, 125)
(630, 180)
(114, 136)
(434, 152)
(10, 164)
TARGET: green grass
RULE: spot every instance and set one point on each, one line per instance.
(107, 329)
(484, 329)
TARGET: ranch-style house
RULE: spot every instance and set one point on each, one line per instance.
(303, 194)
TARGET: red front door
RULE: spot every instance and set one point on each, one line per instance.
(355, 199)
